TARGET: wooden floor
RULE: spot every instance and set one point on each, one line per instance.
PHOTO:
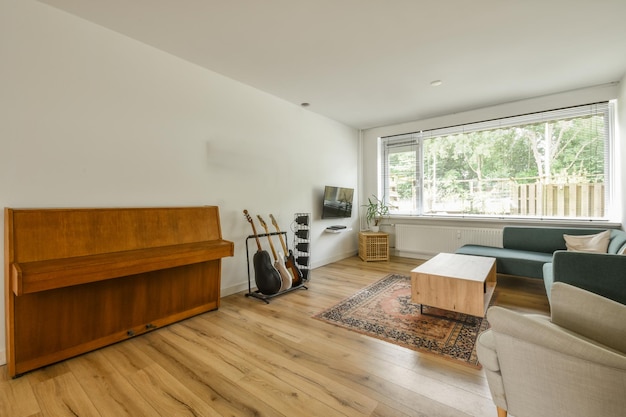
(253, 359)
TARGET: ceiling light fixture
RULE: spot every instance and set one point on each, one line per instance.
(436, 83)
(305, 104)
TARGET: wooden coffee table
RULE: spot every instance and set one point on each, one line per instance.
(460, 283)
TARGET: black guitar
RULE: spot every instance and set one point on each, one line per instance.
(290, 261)
(267, 278)
(279, 262)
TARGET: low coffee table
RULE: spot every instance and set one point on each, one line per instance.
(460, 283)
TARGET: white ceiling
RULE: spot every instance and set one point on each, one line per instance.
(369, 63)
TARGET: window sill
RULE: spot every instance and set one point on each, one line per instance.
(495, 220)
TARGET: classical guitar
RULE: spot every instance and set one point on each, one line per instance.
(290, 261)
(285, 275)
(268, 280)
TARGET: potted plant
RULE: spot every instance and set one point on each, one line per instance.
(376, 209)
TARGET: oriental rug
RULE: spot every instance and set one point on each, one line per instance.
(384, 310)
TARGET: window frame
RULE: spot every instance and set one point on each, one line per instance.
(416, 140)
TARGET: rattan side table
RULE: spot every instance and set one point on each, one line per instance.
(374, 246)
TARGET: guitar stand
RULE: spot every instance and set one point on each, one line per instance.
(257, 293)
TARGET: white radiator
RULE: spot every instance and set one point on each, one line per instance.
(431, 240)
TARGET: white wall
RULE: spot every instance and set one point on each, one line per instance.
(91, 118)
(369, 141)
(621, 146)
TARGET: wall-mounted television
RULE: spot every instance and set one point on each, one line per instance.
(337, 202)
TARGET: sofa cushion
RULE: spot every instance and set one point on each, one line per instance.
(589, 315)
(511, 261)
(541, 331)
(618, 241)
(597, 243)
(600, 273)
(540, 239)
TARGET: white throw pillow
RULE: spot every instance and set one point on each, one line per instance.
(598, 243)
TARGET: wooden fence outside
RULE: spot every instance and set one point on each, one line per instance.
(561, 200)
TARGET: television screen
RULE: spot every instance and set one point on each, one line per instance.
(337, 202)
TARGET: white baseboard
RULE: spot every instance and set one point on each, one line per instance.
(413, 255)
(336, 258)
(234, 289)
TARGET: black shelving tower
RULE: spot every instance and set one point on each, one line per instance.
(302, 243)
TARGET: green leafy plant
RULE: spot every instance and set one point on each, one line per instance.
(375, 210)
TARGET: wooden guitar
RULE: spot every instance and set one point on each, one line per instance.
(290, 261)
(267, 278)
(285, 275)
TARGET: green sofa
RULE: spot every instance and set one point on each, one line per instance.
(540, 252)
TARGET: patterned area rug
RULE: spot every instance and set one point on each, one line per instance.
(384, 310)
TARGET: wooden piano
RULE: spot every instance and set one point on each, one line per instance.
(77, 279)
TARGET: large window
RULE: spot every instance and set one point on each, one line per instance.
(553, 164)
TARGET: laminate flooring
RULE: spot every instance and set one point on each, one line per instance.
(250, 358)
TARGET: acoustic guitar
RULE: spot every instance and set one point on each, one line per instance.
(268, 280)
(285, 275)
(290, 260)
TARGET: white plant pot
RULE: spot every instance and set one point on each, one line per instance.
(375, 229)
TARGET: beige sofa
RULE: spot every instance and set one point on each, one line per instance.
(570, 364)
